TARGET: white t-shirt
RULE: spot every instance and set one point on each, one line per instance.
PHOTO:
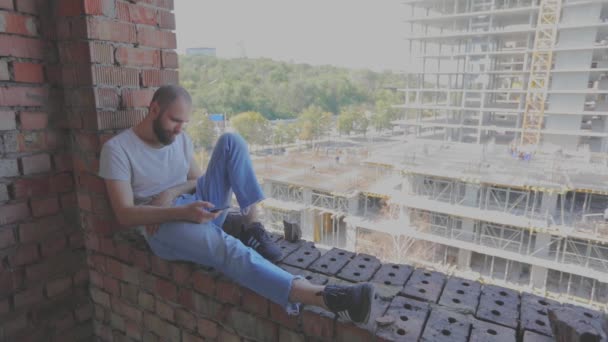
(149, 170)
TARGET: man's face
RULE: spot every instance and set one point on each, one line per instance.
(169, 123)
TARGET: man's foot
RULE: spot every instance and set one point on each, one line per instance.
(353, 303)
(256, 237)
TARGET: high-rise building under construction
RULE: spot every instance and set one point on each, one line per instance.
(502, 171)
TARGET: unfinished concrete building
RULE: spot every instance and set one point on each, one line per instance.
(502, 173)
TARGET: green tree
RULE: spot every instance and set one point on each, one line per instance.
(353, 119)
(201, 130)
(384, 112)
(314, 123)
(254, 128)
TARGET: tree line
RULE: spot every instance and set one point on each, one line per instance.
(307, 100)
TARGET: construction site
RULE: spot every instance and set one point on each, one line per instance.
(501, 173)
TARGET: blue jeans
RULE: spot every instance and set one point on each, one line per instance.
(230, 170)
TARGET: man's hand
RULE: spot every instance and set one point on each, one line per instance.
(195, 212)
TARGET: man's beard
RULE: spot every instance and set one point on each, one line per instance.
(165, 137)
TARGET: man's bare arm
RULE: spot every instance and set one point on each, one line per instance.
(165, 198)
(128, 214)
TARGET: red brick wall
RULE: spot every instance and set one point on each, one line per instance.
(72, 73)
(43, 275)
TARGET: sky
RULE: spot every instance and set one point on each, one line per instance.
(348, 33)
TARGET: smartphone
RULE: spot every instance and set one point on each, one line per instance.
(215, 210)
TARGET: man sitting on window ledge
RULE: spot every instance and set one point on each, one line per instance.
(154, 184)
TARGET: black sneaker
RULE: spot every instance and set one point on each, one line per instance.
(353, 303)
(256, 237)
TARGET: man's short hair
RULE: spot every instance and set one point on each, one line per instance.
(166, 94)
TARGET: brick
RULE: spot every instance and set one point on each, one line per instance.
(7, 237)
(279, 315)
(10, 213)
(228, 291)
(23, 96)
(101, 53)
(102, 29)
(136, 97)
(255, 303)
(100, 297)
(166, 20)
(25, 254)
(58, 286)
(286, 335)
(146, 301)
(120, 119)
(166, 4)
(165, 311)
(185, 319)
(28, 6)
(45, 207)
(3, 194)
(410, 316)
(7, 120)
(461, 294)
(446, 326)
(69, 8)
(207, 328)
(4, 73)
(11, 22)
(163, 329)
(40, 229)
(303, 256)
(186, 337)
(106, 98)
(9, 168)
(424, 285)
(28, 187)
(23, 47)
(62, 182)
(139, 57)
(169, 60)
(166, 289)
(361, 268)
(6, 4)
(160, 266)
(100, 7)
(157, 78)
(137, 14)
(317, 323)
(483, 331)
(226, 336)
(181, 273)
(133, 330)
(53, 246)
(33, 120)
(36, 164)
(28, 72)
(252, 326)
(332, 261)
(28, 297)
(115, 76)
(156, 38)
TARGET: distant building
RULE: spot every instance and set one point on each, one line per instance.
(201, 51)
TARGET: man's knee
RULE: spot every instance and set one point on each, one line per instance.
(232, 140)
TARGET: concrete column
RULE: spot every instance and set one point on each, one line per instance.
(471, 192)
(351, 232)
(548, 203)
(464, 256)
(267, 188)
(307, 216)
(538, 277)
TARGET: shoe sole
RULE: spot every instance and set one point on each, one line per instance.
(368, 290)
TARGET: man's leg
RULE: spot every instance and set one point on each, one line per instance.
(207, 244)
(230, 170)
